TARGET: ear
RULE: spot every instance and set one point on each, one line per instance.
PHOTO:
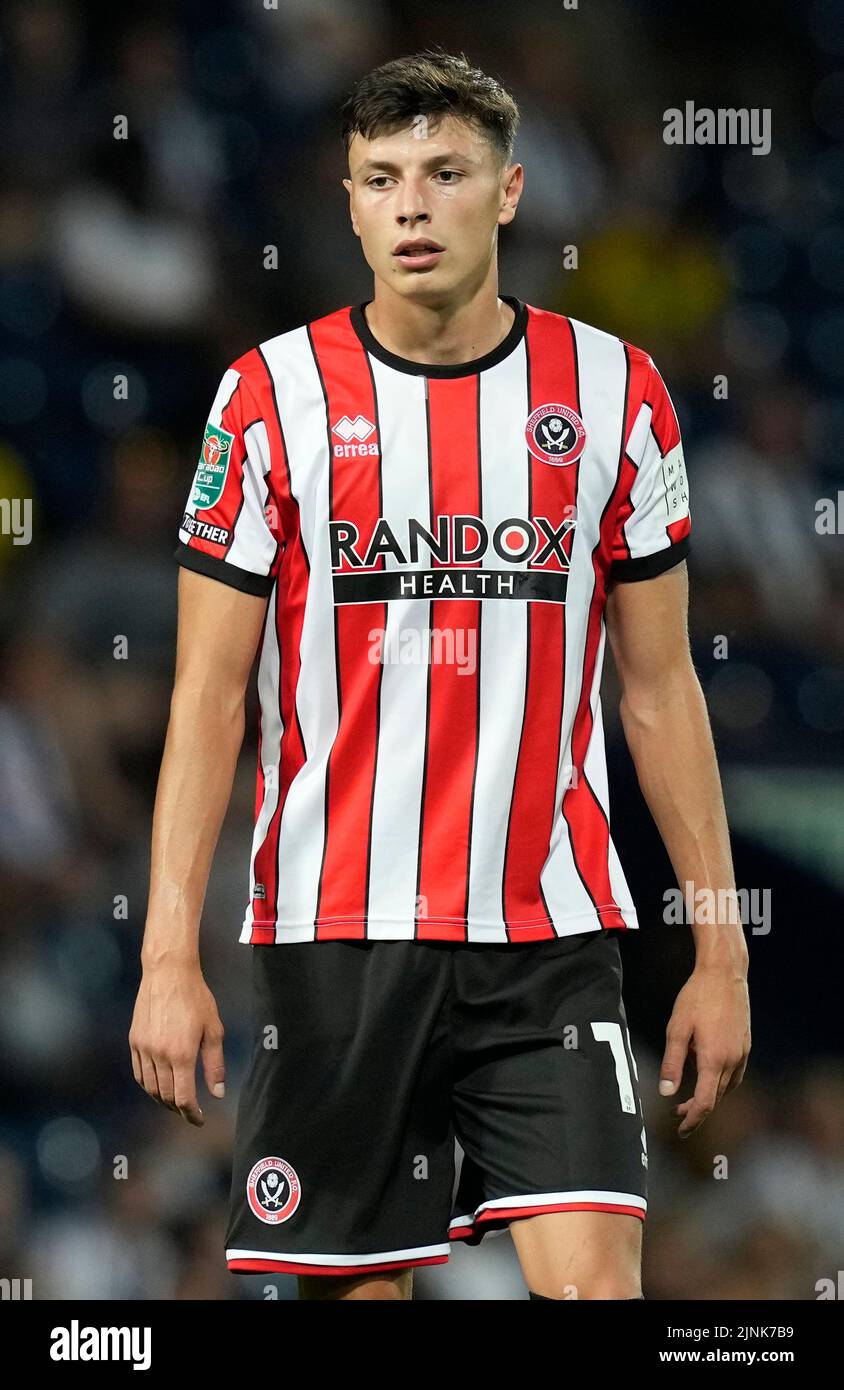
(347, 184)
(514, 182)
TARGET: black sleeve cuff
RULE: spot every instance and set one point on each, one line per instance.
(245, 580)
(649, 566)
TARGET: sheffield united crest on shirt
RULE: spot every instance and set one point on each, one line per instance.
(213, 466)
(273, 1190)
(555, 434)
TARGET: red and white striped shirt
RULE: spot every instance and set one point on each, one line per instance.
(436, 544)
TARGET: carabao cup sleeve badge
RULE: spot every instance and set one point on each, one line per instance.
(210, 477)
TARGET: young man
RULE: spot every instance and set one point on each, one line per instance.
(428, 511)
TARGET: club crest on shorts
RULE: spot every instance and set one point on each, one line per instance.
(555, 434)
(273, 1190)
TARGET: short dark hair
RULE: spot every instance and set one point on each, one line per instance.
(430, 83)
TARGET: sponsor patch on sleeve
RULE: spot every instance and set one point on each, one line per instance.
(203, 530)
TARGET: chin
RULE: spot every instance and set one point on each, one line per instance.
(421, 286)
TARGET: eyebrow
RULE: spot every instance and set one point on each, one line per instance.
(392, 168)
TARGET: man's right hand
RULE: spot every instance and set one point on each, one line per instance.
(175, 1013)
(175, 1017)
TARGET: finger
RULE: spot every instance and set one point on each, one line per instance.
(701, 1105)
(724, 1083)
(184, 1079)
(703, 1100)
(164, 1076)
(137, 1070)
(150, 1080)
(213, 1063)
(736, 1075)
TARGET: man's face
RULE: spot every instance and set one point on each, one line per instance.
(438, 180)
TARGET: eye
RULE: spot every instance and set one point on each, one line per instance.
(453, 172)
(371, 182)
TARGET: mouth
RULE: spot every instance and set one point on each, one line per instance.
(418, 255)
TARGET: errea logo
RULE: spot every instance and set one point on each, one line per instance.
(358, 429)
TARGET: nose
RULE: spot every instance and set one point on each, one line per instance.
(410, 222)
(414, 210)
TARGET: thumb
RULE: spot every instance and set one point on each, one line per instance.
(673, 1061)
(213, 1065)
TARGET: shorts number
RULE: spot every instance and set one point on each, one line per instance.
(611, 1033)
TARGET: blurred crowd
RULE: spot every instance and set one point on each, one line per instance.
(143, 258)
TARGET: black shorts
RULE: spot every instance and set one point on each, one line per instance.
(382, 1052)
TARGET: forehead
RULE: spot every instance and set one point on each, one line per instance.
(423, 138)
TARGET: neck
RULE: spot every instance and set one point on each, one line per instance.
(440, 334)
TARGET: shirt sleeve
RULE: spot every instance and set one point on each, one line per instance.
(652, 522)
(230, 525)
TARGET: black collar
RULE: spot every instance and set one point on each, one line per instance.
(452, 369)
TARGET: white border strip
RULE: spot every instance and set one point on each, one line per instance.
(339, 1260)
(547, 1199)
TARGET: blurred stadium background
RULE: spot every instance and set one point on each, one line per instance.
(145, 257)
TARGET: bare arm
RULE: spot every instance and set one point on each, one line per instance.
(666, 725)
(175, 1013)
